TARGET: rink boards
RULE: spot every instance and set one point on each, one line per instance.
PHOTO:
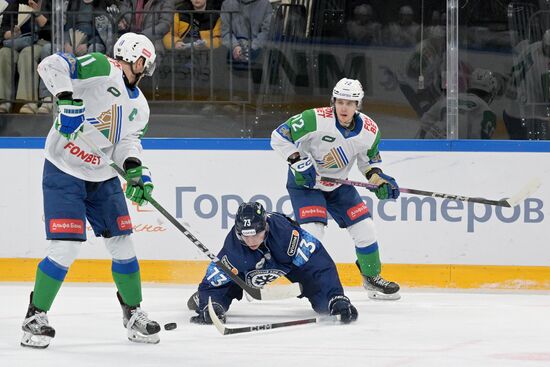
(424, 241)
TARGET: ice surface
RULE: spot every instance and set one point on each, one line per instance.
(424, 328)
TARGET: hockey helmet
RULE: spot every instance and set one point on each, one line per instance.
(251, 219)
(131, 46)
(484, 80)
(350, 89)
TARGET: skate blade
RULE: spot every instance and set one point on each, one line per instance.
(30, 340)
(379, 296)
(137, 337)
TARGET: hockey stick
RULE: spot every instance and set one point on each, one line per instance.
(267, 293)
(224, 330)
(531, 187)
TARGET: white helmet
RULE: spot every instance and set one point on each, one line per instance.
(131, 46)
(484, 80)
(350, 89)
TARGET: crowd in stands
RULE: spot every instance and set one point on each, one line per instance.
(238, 29)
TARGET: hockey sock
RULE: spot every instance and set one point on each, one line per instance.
(49, 278)
(128, 280)
(369, 260)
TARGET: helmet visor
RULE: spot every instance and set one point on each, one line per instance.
(149, 68)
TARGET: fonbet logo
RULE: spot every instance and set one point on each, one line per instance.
(79, 153)
(406, 209)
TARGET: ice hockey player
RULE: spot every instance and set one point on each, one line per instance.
(526, 110)
(78, 185)
(327, 141)
(262, 247)
(476, 119)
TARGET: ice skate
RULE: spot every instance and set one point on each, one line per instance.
(37, 333)
(140, 328)
(379, 288)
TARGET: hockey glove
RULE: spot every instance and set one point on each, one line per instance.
(139, 185)
(304, 172)
(386, 186)
(203, 316)
(340, 305)
(70, 116)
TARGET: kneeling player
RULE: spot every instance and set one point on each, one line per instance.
(262, 247)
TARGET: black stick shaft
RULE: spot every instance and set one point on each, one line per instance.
(254, 292)
(247, 329)
(503, 203)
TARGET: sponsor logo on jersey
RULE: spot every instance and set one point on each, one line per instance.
(325, 112)
(66, 226)
(313, 211)
(79, 153)
(226, 262)
(114, 62)
(357, 211)
(335, 158)
(369, 125)
(293, 245)
(259, 278)
(124, 222)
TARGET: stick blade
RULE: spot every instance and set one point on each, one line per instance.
(276, 292)
(215, 320)
(527, 190)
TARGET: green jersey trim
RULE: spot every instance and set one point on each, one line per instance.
(302, 124)
(374, 149)
(93, 65)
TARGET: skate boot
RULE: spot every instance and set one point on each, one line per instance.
(140, 328)
(379, 288)
(37, 333)
(193, 302)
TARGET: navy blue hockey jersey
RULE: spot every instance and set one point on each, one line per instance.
(288, 251)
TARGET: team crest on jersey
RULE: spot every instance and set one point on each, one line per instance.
(109, 123)
(259, 278)
(71, 60)
(335, 158)
(284, 131)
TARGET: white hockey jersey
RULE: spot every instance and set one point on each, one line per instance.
(531, 82)
(116, 117)
(476, 120)
(333, 148)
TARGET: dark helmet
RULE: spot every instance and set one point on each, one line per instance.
(251, 219)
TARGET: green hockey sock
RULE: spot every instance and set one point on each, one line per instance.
(369, 260)
(128, 280)
(49, 278)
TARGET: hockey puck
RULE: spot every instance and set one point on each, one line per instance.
(170, 326)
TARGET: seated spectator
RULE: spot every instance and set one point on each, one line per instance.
(151, 18)
(245, 31)
(81, 35)
(404, 32)
(197, 30)
(363, 28)
(24, 45)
